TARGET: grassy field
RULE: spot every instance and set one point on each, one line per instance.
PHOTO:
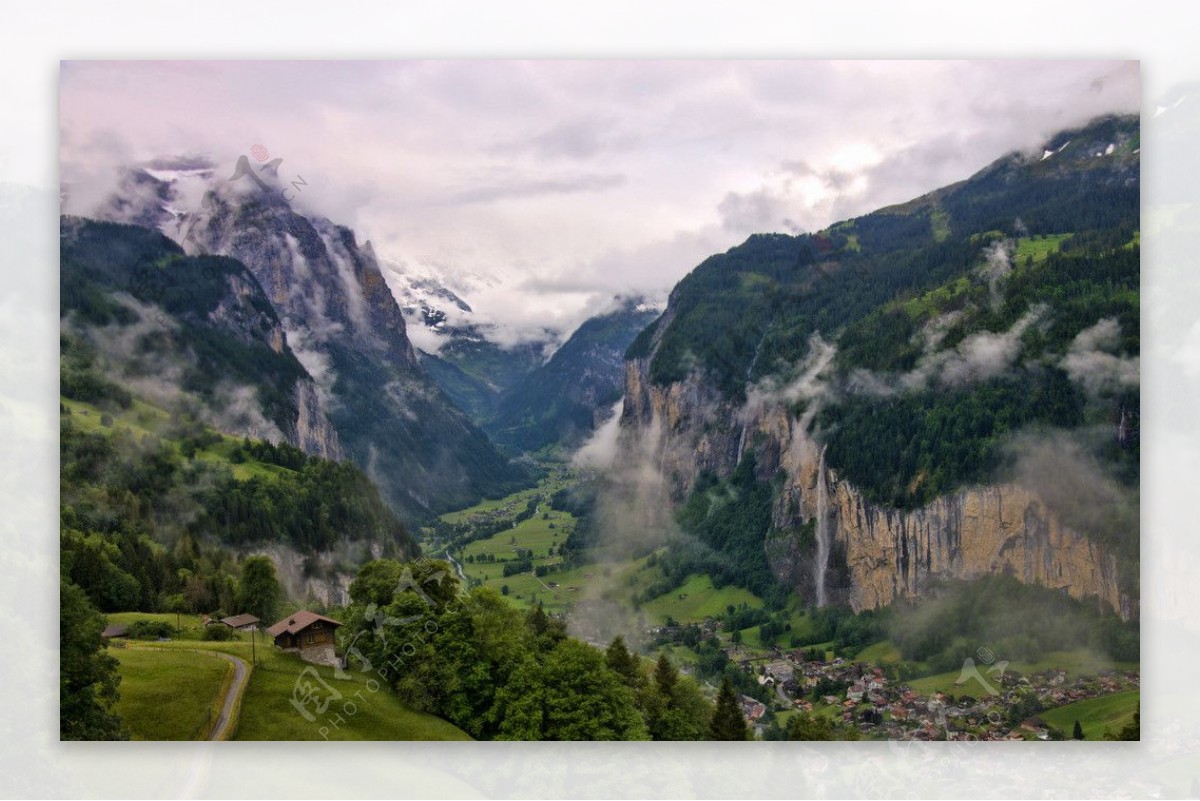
(510, 504)
(1075, 663)
(267, 712)
(1095, 715)
(939, 223)
(365, 714)
(548, 529)
(1039, 247)
(539, 533)
(881, 653)
(168, 695)
(143, 419)
(697, 599)
(189, 627)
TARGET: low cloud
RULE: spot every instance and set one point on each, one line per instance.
(979, 357)
(600, 451)
(996, 267)
(811, 381)
(1091, 364)
(528, 188)
(1060, 467)
(759, 211)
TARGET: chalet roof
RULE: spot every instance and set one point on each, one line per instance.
(237, 621)
(115, 630)
(298, 622)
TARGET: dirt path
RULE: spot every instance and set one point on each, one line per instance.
(221, 729)
(222, 726)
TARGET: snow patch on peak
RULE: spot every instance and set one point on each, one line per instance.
(170, 176)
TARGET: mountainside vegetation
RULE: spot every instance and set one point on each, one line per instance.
(155, 505)
(959, 325)
(499, 673)
(557, 403)
(142, 311)
(478, 374)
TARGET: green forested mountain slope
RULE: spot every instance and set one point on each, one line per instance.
(558, 402)
(1005, 302)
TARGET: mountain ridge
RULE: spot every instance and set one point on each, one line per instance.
(1019, 270)
(344, 326)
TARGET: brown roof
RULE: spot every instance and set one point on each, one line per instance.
(237, 621)
(298, 622)
(115, 630)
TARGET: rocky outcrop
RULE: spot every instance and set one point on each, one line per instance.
(876, 554)
(880, 554)
(313, 432)
(326, 295)
(320, 577)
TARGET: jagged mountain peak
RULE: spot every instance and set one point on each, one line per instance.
(341, 320)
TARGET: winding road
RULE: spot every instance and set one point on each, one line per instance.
(222, 727)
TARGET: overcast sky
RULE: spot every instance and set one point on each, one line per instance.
(542, 188)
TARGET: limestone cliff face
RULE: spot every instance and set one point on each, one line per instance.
(313, 432)
(879, 554)
(876, 554)
(328, 586)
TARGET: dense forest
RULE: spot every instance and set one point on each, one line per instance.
(186, 318)
(148, 516)
(724, 525)
(906, 448)
(499, 673)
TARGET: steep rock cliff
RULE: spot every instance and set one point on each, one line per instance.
(875, 554)
(369, 399)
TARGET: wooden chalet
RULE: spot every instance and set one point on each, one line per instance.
(304, 629)
(241, 622)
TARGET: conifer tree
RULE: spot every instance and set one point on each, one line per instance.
(728, 722)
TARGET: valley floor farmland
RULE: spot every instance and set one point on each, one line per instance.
(784, 658)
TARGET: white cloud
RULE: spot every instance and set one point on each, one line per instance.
(560, 183)
(1089, 363)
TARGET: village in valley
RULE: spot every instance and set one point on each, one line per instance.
(517, 545)
(985, 702)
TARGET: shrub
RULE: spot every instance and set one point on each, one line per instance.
(150, 630)
(219, 632)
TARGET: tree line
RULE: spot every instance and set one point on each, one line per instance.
(470, 657)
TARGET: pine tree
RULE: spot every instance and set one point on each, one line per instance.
(1078, 732)
(728, 722)
(88, 677)
(665, 676)
(623, 663)
(259, 591)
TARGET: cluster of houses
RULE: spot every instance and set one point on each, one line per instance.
(880, 707)
(308, 634)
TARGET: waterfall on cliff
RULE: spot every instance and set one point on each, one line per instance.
(741, 444)
(746, 412)
(822, 531)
